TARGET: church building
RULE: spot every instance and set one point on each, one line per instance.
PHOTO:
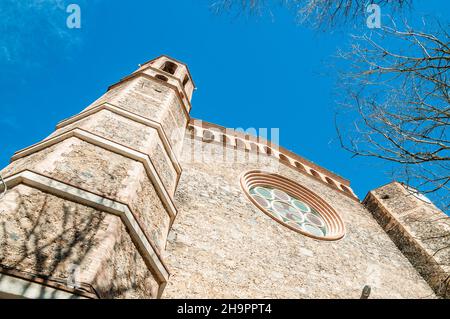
(133, 198)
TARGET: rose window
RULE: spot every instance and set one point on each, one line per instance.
(293, 205)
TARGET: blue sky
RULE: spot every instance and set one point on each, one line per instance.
(261, 72)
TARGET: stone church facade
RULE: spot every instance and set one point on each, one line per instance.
(132, 198)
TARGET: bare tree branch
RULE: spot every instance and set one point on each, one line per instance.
(317, 13)
(398, 85)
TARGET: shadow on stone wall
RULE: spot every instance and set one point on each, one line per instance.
(46, 238)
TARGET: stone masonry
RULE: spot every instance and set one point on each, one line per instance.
(419, 229)
(89, 208)
(131, 198)
(222, 246)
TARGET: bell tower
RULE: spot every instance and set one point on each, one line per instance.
(88, 209)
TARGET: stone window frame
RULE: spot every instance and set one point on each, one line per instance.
(334, 224)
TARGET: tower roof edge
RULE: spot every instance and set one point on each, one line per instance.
(176, 60)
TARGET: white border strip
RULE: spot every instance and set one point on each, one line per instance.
(14, 287)
(113, 147)
(83, 197)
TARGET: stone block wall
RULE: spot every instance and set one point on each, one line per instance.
(96, 196)
(122, 201)
(418, 228)
(222, 246)
(47, 236)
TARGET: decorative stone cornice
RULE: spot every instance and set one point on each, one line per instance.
(16, 287)
(156, 70)
(131, 116)
(115, 148)
(217, 134)
(20, 284)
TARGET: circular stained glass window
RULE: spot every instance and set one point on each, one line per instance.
(293, 205)
(290, 210)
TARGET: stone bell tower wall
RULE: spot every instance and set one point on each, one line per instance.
(89, 208)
